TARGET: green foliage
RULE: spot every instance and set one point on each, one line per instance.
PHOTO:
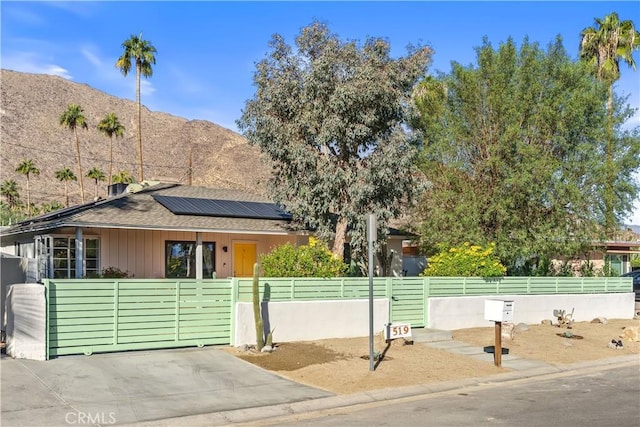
(10, 215)
(312, 260)
(514, 154)
(122, 177)
(114, 273)
(602, 48)
(329, 115)
(10, 190)
(465, 260)
(635, 261)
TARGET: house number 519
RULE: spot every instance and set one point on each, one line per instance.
(398, 330)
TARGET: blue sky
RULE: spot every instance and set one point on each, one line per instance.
(207, 50)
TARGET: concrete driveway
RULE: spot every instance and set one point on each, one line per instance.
(130, 387)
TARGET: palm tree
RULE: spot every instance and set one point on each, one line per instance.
(65, 175)
(97, 175)
(111, 126)
(10, 191)
(603, 47)
(28, 168)
(143, 53)
(73, 118)
(122, 177)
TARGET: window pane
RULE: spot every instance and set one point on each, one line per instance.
(60, 253)
(208, 260)
(61, 242)
(91, 253)
(181, 259)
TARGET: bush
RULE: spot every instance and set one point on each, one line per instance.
(312, 260)
(465, 260)
(114, 273)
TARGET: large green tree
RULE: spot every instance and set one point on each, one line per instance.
(111, 126)
(513, 147)
(329, 116)
(603, 47)
(65, 175)
(28, 168)
(73, 118)
(143, 55)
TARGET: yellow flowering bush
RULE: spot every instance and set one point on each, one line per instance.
(465, 260)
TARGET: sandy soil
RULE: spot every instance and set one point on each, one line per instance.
(342, 365)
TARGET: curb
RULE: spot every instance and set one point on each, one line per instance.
(264, 413)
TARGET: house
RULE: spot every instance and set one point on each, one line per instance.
(155, 232)
(159, 230)
(612, 256)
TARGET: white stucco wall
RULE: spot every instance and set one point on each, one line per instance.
(310, 320)
(26, 321)
(468, 312)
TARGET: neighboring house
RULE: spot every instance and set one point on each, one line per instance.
(158, 231)
(615, 254)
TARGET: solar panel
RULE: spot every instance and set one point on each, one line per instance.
(221, 208)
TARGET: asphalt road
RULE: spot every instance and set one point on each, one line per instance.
(597, 398)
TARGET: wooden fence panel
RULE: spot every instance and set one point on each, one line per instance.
(100, 315)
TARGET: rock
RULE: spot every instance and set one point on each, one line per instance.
(547, 322)
(267, 349)
(243, 347)
(508, 331)
(630, 333)
(602, 320)
(522, 327)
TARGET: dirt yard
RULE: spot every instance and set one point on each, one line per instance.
(342, 365)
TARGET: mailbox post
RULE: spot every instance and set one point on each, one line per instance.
(498, 311)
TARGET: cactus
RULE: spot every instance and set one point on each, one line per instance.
(256, 309)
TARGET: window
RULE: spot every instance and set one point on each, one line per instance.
(616, 263)
(181, 259)
(64, 257)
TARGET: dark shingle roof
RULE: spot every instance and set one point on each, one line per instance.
(139, 210)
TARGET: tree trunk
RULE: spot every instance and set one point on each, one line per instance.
(28, 198)
(80, 176)
(110, 161)
(341, 235)
(140, 173)
(609, 195)
(66, 193)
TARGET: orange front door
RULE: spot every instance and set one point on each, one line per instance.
(244, 256)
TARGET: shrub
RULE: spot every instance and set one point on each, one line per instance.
(312, 260)
(114, 273)
(465, 260)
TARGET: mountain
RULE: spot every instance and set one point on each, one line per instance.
(30, 109)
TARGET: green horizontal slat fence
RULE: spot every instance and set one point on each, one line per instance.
(103, 315)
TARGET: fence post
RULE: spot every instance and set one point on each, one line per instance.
(234, 300)
(46, 317)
